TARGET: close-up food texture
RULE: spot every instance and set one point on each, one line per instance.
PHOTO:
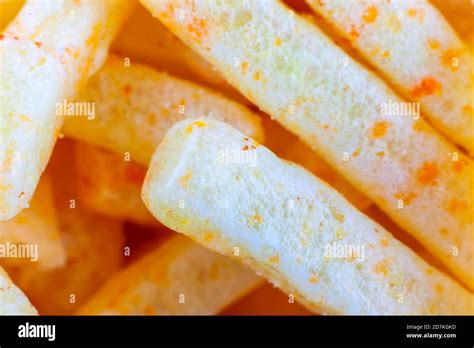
(236, 157)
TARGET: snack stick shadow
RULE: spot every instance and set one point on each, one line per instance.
(296, 74)
(44, 62)
(215, 185)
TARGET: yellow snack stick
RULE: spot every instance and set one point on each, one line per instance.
(415, 48)
(177, 277)
(342, 111)
(288, 226)
(46, 54)
(35, 231)
(113, 187)
(135, 106)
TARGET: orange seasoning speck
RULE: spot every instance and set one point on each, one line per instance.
(384, 243)
(433, 44)
(198, 29)
(456, 205)
(459, 165)
(370, 14)
(257, 218)
(354, 34)
(380, 129)
(386, 54)
(427, 86)
(208, 236)
(382, 267)
(278, 41)
(274, 259)
(184, 181)
(199, 124)
(127, 89)
(428, 174)
(411, 12)
(314, 278)
(406, 198)
(467, 109)
(256, 76)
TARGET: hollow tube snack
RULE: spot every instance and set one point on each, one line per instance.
(288, 226)
(112, 192)
(34, 234)
(46, 54)
(178, 277)
(298, 76)
(135, 105)
(12, 300)
(416, 49)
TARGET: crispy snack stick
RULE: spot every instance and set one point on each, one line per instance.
(93, 243)
(294, 73)
(135, 106)
(289, 226)
(47, 53)
(8, 10)
(95, 250)
(266, 300)
(178, 277)
(145, 40)
(12, 300)
(113, 186)
(35, 228)
(287, 146)
(414, 47)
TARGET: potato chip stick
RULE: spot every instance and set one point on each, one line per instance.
(8, 10)
(46, 54)
(296, 74)
(115, 193)
(288, 226)
(34, 234)
(12, 300)
(178, 277)
(135, 106)
(437, 72)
